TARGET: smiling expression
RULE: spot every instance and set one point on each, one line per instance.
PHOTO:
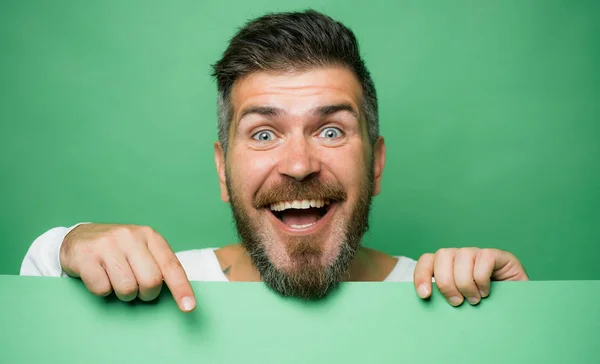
(299, 174)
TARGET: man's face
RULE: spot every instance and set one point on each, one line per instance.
(299, 174)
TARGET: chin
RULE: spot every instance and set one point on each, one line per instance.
(302, 267)
(295, 253)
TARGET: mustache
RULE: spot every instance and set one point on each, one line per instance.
(291, 189)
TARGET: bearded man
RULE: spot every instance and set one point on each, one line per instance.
(299, 158)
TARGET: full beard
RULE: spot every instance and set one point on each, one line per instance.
(308, 278)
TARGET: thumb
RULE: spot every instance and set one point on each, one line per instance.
(423, 274)
(506, 266)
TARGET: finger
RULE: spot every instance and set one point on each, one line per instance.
(146, 271)
(173, 273)
(507, 267)
(95, 279)
(464, 264)
(443, 271)
(423, 274)
(121, 276)
(494, 264)
(483, 269)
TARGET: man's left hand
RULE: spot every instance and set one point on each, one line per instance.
(466, 273)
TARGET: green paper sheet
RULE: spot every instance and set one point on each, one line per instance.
(55, 320)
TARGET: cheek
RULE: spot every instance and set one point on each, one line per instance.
(249, 170)
(347, 165)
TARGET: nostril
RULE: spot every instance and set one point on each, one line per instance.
(304, 176)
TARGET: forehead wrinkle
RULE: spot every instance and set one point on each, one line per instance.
(258, 88)
(339, 103)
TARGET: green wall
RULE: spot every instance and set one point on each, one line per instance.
(491, 114)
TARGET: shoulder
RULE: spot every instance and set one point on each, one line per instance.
(195, 254)
(201, 264)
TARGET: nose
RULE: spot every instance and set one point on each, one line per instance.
(298, 159)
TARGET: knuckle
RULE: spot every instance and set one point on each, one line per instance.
(512, 257)
(441, 251)
(465, 252)
(463, 282)
(87, 250)
(447, 291)
(480, 278)
(172, 264)
(445, 251)
(122, 232)
(426, 257)
(100, 289)
(120, 268)
(149, 295)
(128, 289)
(485, 254)
(421, 277)
(467, 288)
(97, 285)
(99, 247)
(151, 282)
(444, 284)
(147, 230)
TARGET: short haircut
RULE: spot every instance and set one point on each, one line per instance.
(291, 41)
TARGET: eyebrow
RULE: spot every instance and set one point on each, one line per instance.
(273, 112)
(332, 109)
(261, 110)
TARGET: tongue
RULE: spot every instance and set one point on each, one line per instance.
(300, 217)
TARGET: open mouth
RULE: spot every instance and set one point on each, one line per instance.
(300, 214)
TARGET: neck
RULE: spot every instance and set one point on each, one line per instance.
(367, 265)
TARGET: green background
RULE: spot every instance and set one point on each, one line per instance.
(490, 112)
(56, 320)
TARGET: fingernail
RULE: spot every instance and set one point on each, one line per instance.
(482, 293)
(423, 291)
(473, 300)
(187, 303)
(455, 301)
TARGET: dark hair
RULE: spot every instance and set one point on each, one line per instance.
(288, 42)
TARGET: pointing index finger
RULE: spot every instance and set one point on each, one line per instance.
(173, 273)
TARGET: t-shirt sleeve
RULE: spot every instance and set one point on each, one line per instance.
(42, 257)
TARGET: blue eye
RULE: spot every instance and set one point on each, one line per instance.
(264, 136)
(331, 133)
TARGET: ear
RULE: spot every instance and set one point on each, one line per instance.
(378, 164)
(220, 164)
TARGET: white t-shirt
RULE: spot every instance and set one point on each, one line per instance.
(42, 259)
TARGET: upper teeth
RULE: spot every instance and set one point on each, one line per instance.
(298, 204)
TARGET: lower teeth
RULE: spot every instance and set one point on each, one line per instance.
(303, 226)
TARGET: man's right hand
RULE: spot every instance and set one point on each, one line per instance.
(131, 261)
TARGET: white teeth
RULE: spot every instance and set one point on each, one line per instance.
(298, 204)
(302, 226)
